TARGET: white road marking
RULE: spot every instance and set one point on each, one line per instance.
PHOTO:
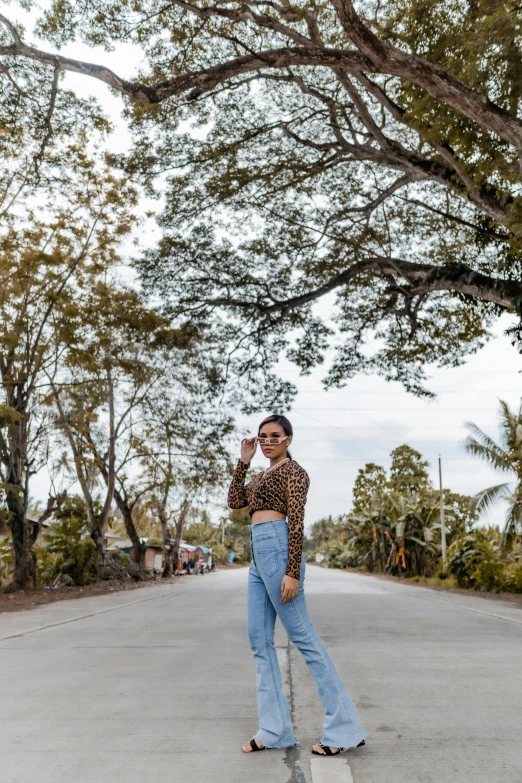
(330, 771)
(337, 586)
(470, 609)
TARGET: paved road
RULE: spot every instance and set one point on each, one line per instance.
(160, 685)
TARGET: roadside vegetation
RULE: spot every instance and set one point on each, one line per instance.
(394, 525)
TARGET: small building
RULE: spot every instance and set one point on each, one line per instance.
(189, 552)
(112, 542)
(153, 557)
(193, 554)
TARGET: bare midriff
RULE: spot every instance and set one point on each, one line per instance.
(266, 516)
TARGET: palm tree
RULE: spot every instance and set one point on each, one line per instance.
(322, 531)
(506, 458)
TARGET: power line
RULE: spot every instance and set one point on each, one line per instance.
(400, 425)
(440, 369)
(397, 410)
(359, 460)
(359, 440)
(435, 391)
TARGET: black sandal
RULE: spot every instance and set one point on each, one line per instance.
(328, 752)
(255, 746)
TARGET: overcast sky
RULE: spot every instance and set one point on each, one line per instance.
(338, 431)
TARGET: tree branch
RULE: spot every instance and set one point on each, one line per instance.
(194, 83)
(506, 294)
(49, 128)
(438, 82)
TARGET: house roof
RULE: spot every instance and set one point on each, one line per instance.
(34, 521)
(190, 548)
(121, 543)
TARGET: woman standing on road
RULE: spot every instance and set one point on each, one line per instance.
(276, 499)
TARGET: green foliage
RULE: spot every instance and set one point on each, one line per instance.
(322, 531)
(474, 561)
(343, 552)
(60, 239)
(467, 556)
(506, 457)
(408, 471)
(67, 552)
(394, 526)
(237, 536)
(488, 575)
(512, 579)
(6, 560)
(369, 484)
(479, 43)
(350, 180)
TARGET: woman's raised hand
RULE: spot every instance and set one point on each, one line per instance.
(248, 449)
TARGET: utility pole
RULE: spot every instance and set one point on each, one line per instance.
(223, 531)
(442, 523)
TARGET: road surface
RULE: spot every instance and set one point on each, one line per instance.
(159, 685)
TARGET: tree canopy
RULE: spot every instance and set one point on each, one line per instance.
(311, 148)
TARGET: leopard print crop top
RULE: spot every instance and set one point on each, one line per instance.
(284, 490)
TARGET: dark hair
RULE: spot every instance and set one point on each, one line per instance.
(283, 421)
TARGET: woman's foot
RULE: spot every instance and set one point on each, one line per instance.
(321, 751)
(247, 748)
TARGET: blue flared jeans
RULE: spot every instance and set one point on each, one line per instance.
(342, 726)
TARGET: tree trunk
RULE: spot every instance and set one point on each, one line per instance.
(52, 504)
(110, 478)
(170, 556)
(168, 548)
(15, 494)
(22, 539)
(75, 444)
(97, 537)
(138, 549)
(179, 530)
(168, 570)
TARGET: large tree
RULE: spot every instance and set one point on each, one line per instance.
(54, 254)
(122, 352)
(373, 152)
(183, 444)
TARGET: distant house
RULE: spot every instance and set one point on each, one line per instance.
(153, 557)
(153, 554)
(112, 542)
(153, 550)
(189, 553)
(36, 528)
